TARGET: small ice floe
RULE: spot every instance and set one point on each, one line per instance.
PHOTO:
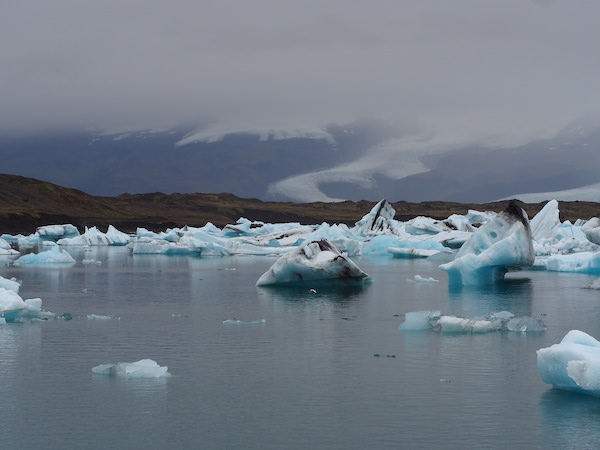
(98, 317)
(237, 321)
(312, 291)
(499, 321)
(420, 279)
(11, 285)
(145, 368)
(573, 364)
(593, 285)
(53, 256)
(87, 262)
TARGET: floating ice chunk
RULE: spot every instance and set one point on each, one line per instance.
(591, 229)
(425, 225)
(98, 317)
(410, 253)
(4, 245)
(380, 220)
(247, 322)
(594, 284)
(10, 300)
(148, 246)
(11, 285)
(545, 223)
(14, 309)
(420, 279)
(117, 237)
(501, 245)
(498, 321)
(525, 324)
(451, 324)
(313, 261)
(583, 262)
(145, 368)
(420, 320)
(53, 256)
(87, 262)
(573, 364)
(56, 232)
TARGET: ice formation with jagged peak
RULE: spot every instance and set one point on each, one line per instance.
(94, 237)
(503, 244)
(314, 261)
(573, 364)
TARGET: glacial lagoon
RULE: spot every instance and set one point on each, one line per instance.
(290, 368)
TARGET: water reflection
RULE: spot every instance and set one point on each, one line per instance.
(335, 293)
(570, 420)
(512, 294)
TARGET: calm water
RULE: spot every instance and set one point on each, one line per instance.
(307, 378)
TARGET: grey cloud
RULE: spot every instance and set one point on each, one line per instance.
(496, 65)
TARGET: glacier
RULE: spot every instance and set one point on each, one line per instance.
(313, 261)
(573, 364)
(501, 245)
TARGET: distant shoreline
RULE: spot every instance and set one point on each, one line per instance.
(27, 203)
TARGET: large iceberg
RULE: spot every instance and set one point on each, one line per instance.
(545, 224)
(573, 364)
(93, 236)
(501, 245)
(313, 261)
(55, 232)
(145, 368)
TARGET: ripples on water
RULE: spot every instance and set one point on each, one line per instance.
(307, 377)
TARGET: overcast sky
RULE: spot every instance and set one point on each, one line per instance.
(492, 65)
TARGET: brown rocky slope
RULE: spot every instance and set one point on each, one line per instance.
(27, 203)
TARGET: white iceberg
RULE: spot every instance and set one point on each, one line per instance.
(145, 368)
(55, 232)
(573, 364)
(582, 262)
(14, 309)
(545, 224)
(503, 244)
(420, 279)
(420, 320)
(95, 237)
(313, 261)
(451, 324)
(53, 256)
(591, 229)
(380, 220)
(11, 285)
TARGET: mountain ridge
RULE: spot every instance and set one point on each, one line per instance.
(26, 203)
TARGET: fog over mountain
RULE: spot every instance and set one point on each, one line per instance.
(300, 100)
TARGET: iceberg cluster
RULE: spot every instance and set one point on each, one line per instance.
(145, 368)
(573, 364)
(498, 321)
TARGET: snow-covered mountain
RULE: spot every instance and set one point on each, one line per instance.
(362, 160)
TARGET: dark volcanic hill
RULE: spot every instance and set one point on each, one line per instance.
(26, 203)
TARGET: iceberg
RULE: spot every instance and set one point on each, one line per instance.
(573, 364)
(545, 224)
(501, 245)
(420, 279)
(11, 285)
(420, 320)
(313, 261)
(55, 232)
(14, 309)
(145, 368)
(582, 262)
(380, 220)
(95, 237)
(591, 229)
(53, 256)
(498, 321)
